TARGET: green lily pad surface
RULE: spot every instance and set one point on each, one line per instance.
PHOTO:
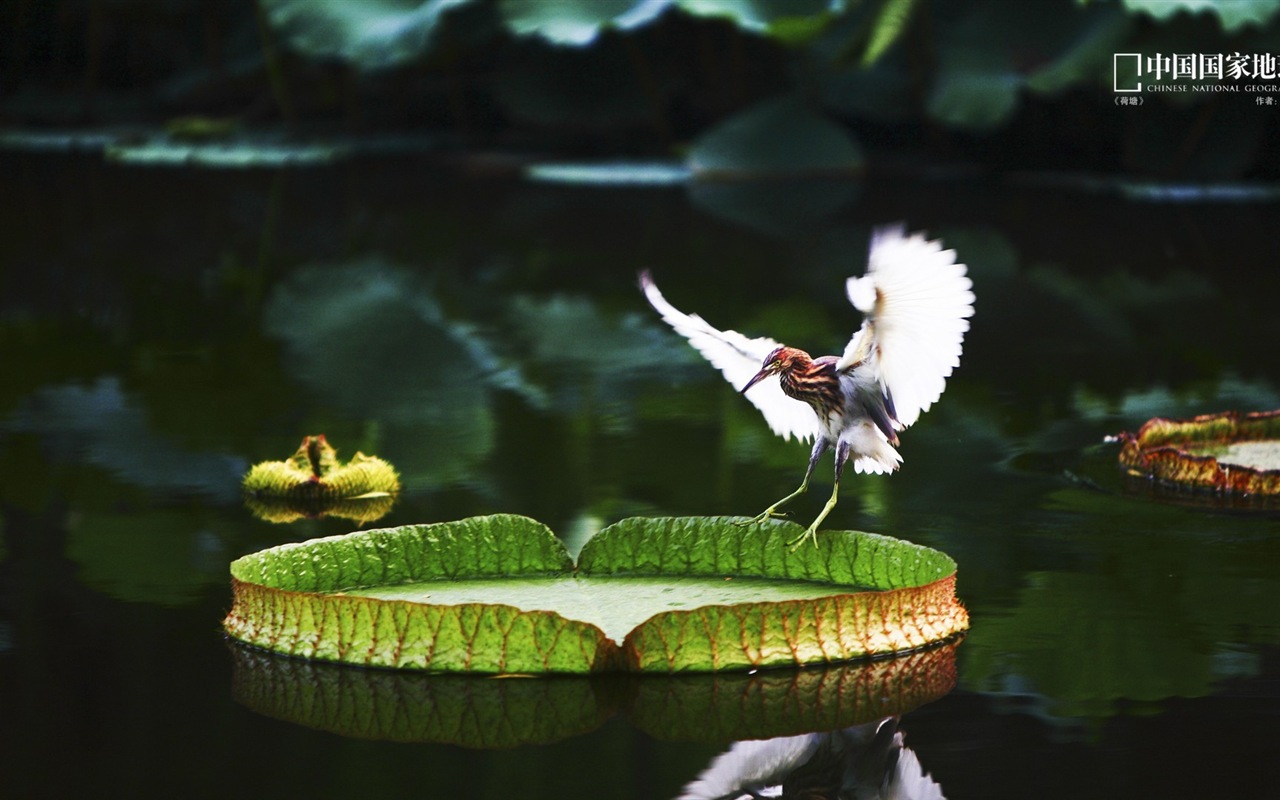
(616, 605)
(500, 595)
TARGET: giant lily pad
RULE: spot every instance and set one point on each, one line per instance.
(1230, 453)
(500, 594)
(487, 713)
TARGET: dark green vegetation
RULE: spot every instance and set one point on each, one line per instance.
(1013, 85)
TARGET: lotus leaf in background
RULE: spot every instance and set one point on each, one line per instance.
(312, 483)
(371, 34)
(1233, 16)
(484, 713)
(657, 73)
(500, 595)
(1229, 453)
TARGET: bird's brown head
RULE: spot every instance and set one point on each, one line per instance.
(782, 359)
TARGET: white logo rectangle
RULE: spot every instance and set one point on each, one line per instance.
(1115, 71)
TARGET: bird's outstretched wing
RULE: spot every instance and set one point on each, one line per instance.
(738, 359)
(918, 301)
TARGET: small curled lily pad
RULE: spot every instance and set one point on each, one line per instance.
(487, 713)
(1228, 453)
(313, 483)
(500, 595)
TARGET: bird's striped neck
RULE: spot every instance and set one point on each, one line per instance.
(814, 382)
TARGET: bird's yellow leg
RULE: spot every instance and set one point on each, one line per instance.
(772, 511)
(811, 532)
(819, 447)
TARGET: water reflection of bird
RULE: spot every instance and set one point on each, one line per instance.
(917, 301)
(864, 762)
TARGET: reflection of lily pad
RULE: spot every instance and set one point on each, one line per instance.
(412, 707)
(787, 702)
(221, 154)
(493, 713)
(608, 173)
(782, 137)
(147, 558)
(500, 594)
(331, 319)
(312, 483)
(782, 208)
(102, 424)
(1229, 453)
(282, 510)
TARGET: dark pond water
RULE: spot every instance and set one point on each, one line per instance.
(161, 330)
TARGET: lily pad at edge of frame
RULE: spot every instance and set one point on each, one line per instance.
(1228, 453)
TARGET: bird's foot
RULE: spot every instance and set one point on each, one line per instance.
(809, 533)
(769, 513)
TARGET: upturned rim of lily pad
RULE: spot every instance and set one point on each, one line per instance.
(1164, 450)
(880, 596)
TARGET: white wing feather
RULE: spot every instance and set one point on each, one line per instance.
(752, 764)
(918, 301)
(738, 359)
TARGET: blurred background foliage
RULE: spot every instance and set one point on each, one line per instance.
(913, 83)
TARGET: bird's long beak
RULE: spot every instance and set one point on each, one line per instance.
(759, 376)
